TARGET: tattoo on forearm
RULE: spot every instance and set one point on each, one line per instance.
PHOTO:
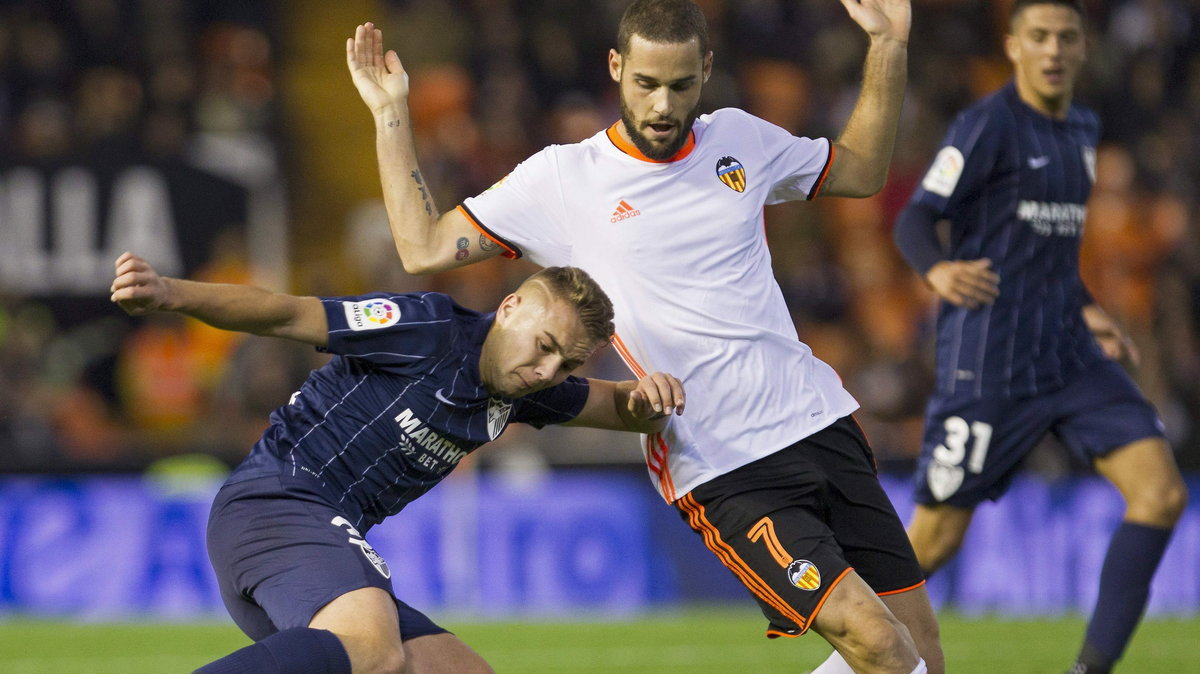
(394, 122)
(462, 244)
(416, 175)
(486, 244)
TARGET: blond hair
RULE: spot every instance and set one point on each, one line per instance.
(575, 287)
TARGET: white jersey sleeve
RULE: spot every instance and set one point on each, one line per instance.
(525, 213)
(796, 166)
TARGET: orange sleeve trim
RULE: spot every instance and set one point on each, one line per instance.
(816, 189)
(902, 590)
(509, 252)
(712, 539)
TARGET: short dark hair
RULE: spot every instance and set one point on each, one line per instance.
(1019, 6)
(664, 22)
(575, 287)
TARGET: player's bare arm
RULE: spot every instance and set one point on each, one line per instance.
(863, 151)
(1115, 343)
(138, 289)
(641, 406)
(965, 283)
(426, 240)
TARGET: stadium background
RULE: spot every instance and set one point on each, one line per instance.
(224, 141)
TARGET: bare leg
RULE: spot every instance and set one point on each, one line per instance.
(1148, 478)
(443, 654)
(937, 532)
(912, 607)
(859, 625)
(1146, 475)
(365, 621)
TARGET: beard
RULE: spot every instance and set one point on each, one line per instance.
(658, 152)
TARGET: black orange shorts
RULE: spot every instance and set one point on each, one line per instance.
(792, 524)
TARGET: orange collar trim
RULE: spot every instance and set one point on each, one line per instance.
(630, 149)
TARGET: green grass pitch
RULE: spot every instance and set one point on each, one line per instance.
(692, 641)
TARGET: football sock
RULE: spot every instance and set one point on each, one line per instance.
(834, 664)
(298, 650)
(1129, 566)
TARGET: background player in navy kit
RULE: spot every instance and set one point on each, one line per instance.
(1022, 348)
(416, 383)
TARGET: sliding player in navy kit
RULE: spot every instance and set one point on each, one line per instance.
(416, 383)
(1022, 348)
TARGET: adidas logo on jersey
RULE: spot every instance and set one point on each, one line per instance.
(624, 212)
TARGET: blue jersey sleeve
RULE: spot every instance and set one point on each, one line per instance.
(964, 163)
(555, 405)
(389, 328)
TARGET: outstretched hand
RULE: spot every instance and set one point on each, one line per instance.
(656, 396)
(965, 283)
(889, 19)
(137, 287)
(380, 78)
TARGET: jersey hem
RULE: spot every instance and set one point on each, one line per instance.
(687, 486)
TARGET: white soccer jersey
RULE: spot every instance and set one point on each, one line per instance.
(679, 246)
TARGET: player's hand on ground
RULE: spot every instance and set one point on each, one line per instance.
(965, 283)
(656, 395)
(137, 288)
(380, 78)
(889, 19)
(1112, 339)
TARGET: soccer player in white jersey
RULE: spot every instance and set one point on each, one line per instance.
(664, 210)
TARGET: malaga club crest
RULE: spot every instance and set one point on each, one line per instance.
(732, 173)
(804, 574)
(497, 416)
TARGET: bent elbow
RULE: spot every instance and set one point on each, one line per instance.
(870, 186)
(415, 266)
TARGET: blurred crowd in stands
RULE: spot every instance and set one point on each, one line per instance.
(153, 82)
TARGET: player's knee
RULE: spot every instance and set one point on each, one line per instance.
(1159, 506)
(883, 644)
(1173, 501)
(935, 547)
(379, 657)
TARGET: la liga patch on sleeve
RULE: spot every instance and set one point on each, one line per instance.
(371, 314)
(946, 170)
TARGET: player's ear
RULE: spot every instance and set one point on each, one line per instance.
(1012, 48)
(614, 65)
(708, 61)
(506, 308)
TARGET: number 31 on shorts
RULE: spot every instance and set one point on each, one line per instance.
(951, 458)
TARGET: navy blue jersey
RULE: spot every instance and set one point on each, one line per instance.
(396, 408)
(1014, 183)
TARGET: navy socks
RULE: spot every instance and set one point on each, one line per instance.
(1132, 558)
(299, 650)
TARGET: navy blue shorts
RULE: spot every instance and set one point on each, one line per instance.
(792, 524)
(280, 557)
(973, 447)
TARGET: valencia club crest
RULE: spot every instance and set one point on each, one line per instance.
(732, 173)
